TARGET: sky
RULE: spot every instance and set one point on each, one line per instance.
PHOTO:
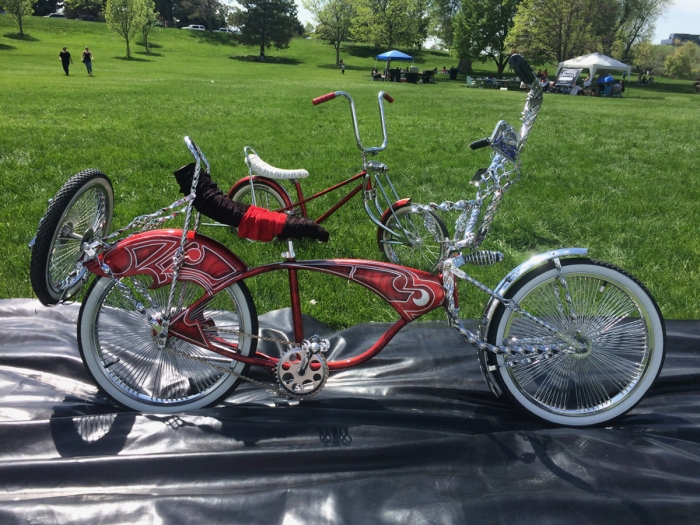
(681, 17)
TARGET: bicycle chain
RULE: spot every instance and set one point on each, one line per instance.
(275, 389)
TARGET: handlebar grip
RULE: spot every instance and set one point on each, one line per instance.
(388, 98)
(522, 68)
(478, 144)
(322, 99)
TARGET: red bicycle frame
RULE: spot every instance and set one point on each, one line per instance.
(366, 184)
(214, 267)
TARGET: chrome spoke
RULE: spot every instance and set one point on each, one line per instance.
(616, 345)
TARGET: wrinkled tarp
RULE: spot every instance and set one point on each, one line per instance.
(413, 436)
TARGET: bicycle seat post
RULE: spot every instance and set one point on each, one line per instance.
(289, 255)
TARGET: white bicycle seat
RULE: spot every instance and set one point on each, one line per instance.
(263, 169)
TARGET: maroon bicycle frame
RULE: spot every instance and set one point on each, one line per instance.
(301, 203)
(214, 267)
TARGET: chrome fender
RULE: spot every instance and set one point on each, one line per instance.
(508, 281)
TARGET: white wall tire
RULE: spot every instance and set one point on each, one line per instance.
(118, 350)
(618, 319)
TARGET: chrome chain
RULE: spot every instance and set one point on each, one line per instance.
(273, 388)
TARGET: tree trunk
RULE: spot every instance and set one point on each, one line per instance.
(21, 31)
(465, 66)
(337, 53)
(128, 50)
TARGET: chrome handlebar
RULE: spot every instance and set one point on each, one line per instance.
(380, 98)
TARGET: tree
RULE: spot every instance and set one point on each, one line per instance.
(82, 8)
(637, 23)
(481, 29)
(209, 13)
(680, 63)
(44, 7)
(267, 23)
(549, 30)
(126, 18)
(554, 30)
(392, 23)
(150, 19)
(334, 18)
(167, 8)
(442, 15)
(19, 10)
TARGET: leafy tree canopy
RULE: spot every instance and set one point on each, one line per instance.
(481, 29)
(126, 18)
(680, 63)
(392, 24)
(334, 18)
(44, 7)
(83, 8)
(19, 10)
(556, 30)
(442, 17)
(267, 23)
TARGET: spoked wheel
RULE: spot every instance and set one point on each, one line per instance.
(607, 310)
(118, 346)
(420, 242)
(80, 213)
(266, 195)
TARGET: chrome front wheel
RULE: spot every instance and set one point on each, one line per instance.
(620, 331)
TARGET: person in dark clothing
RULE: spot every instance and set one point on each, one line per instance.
(66, 60)
(87, 60)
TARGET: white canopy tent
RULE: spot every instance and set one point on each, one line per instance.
(593, 63)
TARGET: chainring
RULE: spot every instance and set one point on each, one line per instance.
(297, 384)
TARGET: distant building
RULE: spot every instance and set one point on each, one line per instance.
(681, 37)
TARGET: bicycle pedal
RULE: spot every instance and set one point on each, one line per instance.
(483, 258)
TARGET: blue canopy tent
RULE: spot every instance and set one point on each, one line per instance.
(393, 55)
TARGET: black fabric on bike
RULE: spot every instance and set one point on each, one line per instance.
(411, 437)
(212, 202)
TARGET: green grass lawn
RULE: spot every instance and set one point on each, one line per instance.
(614, 175)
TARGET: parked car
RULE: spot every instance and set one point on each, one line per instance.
(230, 30)
(195, 27)
(55, 15)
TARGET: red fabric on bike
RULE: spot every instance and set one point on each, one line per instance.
(260, 224)
(212, 202)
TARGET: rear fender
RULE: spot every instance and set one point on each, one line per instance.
(207, 262)
(394, 207)
(508, 281)
(273, 184)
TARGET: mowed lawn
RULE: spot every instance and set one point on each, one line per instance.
(618, 176)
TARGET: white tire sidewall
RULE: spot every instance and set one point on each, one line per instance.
(656, 338)
(88, 348)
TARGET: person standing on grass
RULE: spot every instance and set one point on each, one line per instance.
(342, 67)
(66, 60)
(87, 60)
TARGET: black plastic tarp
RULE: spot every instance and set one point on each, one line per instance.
(412, 437)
